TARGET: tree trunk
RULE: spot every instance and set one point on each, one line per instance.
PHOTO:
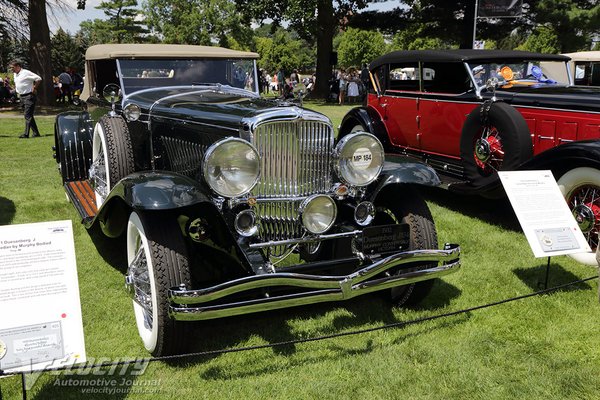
(326, 25)
(39, 49)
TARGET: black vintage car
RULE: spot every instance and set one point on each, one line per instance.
(232, 204)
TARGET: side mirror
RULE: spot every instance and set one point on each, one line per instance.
(112, 94)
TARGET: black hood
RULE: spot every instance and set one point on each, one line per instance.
(580, 98)
(222, 106)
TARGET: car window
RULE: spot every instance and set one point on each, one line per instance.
(587, 73)
(147, 73)
(403, 77)
(450, 78)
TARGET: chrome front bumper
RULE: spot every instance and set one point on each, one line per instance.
(318, 289)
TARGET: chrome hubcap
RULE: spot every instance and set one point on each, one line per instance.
(482, 150)
(585, 217)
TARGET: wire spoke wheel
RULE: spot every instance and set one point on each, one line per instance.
(157, 261)
(581, 189)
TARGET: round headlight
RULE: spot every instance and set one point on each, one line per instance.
(318, 213)
(360, 158)
(231, 167)
(132, 112)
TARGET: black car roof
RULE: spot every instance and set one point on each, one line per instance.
(462, 55)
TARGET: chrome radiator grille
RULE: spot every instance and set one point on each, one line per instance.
(295, 158)
(184, 156)
(295, 162)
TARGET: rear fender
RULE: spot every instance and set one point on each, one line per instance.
(73, 135)
(566, 157)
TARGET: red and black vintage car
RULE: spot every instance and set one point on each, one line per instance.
(471, 113)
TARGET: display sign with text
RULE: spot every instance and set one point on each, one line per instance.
(543, 213)
(40, 312)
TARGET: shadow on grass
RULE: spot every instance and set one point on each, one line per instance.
(535, 277)
(257, 366)
(7, 211)
(363, 312)
(97, 383)
(113, 251)
(494, 211)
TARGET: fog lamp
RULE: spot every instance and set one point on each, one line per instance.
(245, 223)
(318, 213)
(364, 213)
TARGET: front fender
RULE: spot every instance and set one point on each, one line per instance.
(73, 135)
(369, 119)
(403, 170)
(565, 157)
(156, 190)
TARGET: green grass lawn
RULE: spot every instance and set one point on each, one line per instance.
(544, 347)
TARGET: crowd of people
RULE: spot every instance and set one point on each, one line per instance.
(349, 85)
(344, 86)
(67, 87)
(8, 93)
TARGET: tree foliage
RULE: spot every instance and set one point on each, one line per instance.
(416, 40)
(66, 51)
(542, 40)
(199, 22)
(357, 47)
(314, 20)
(123, 25)
(574, 22)
(282, 51)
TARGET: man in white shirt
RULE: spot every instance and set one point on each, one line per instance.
(26, 84)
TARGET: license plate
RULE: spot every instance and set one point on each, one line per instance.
(385, 238)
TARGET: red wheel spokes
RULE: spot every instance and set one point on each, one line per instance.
(585, 204)
(488, 152)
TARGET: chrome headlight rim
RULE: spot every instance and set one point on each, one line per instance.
(210, 152)
(340, 164)
(304, 209)
(132, 112)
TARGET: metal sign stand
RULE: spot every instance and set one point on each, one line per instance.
(546, 276)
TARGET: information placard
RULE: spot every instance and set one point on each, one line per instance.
(40, 312)
(543, 213)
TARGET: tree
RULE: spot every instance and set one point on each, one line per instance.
(314, 20)
(66, 52)
(123, 24)
(39, 49)
(573, 21)
(283, 51)
(357, 47)
(199, 22)
(542, 40)
(415, 40)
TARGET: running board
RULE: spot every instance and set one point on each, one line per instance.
(82, 196)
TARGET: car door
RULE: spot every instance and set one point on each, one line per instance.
(446, 100)
(398, 105)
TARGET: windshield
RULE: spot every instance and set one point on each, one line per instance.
(526, 73)
(144, 74)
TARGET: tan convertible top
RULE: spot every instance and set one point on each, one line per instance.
(584, 56)
(104, 51)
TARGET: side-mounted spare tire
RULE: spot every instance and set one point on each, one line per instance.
(495, 137)
(112, 156)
